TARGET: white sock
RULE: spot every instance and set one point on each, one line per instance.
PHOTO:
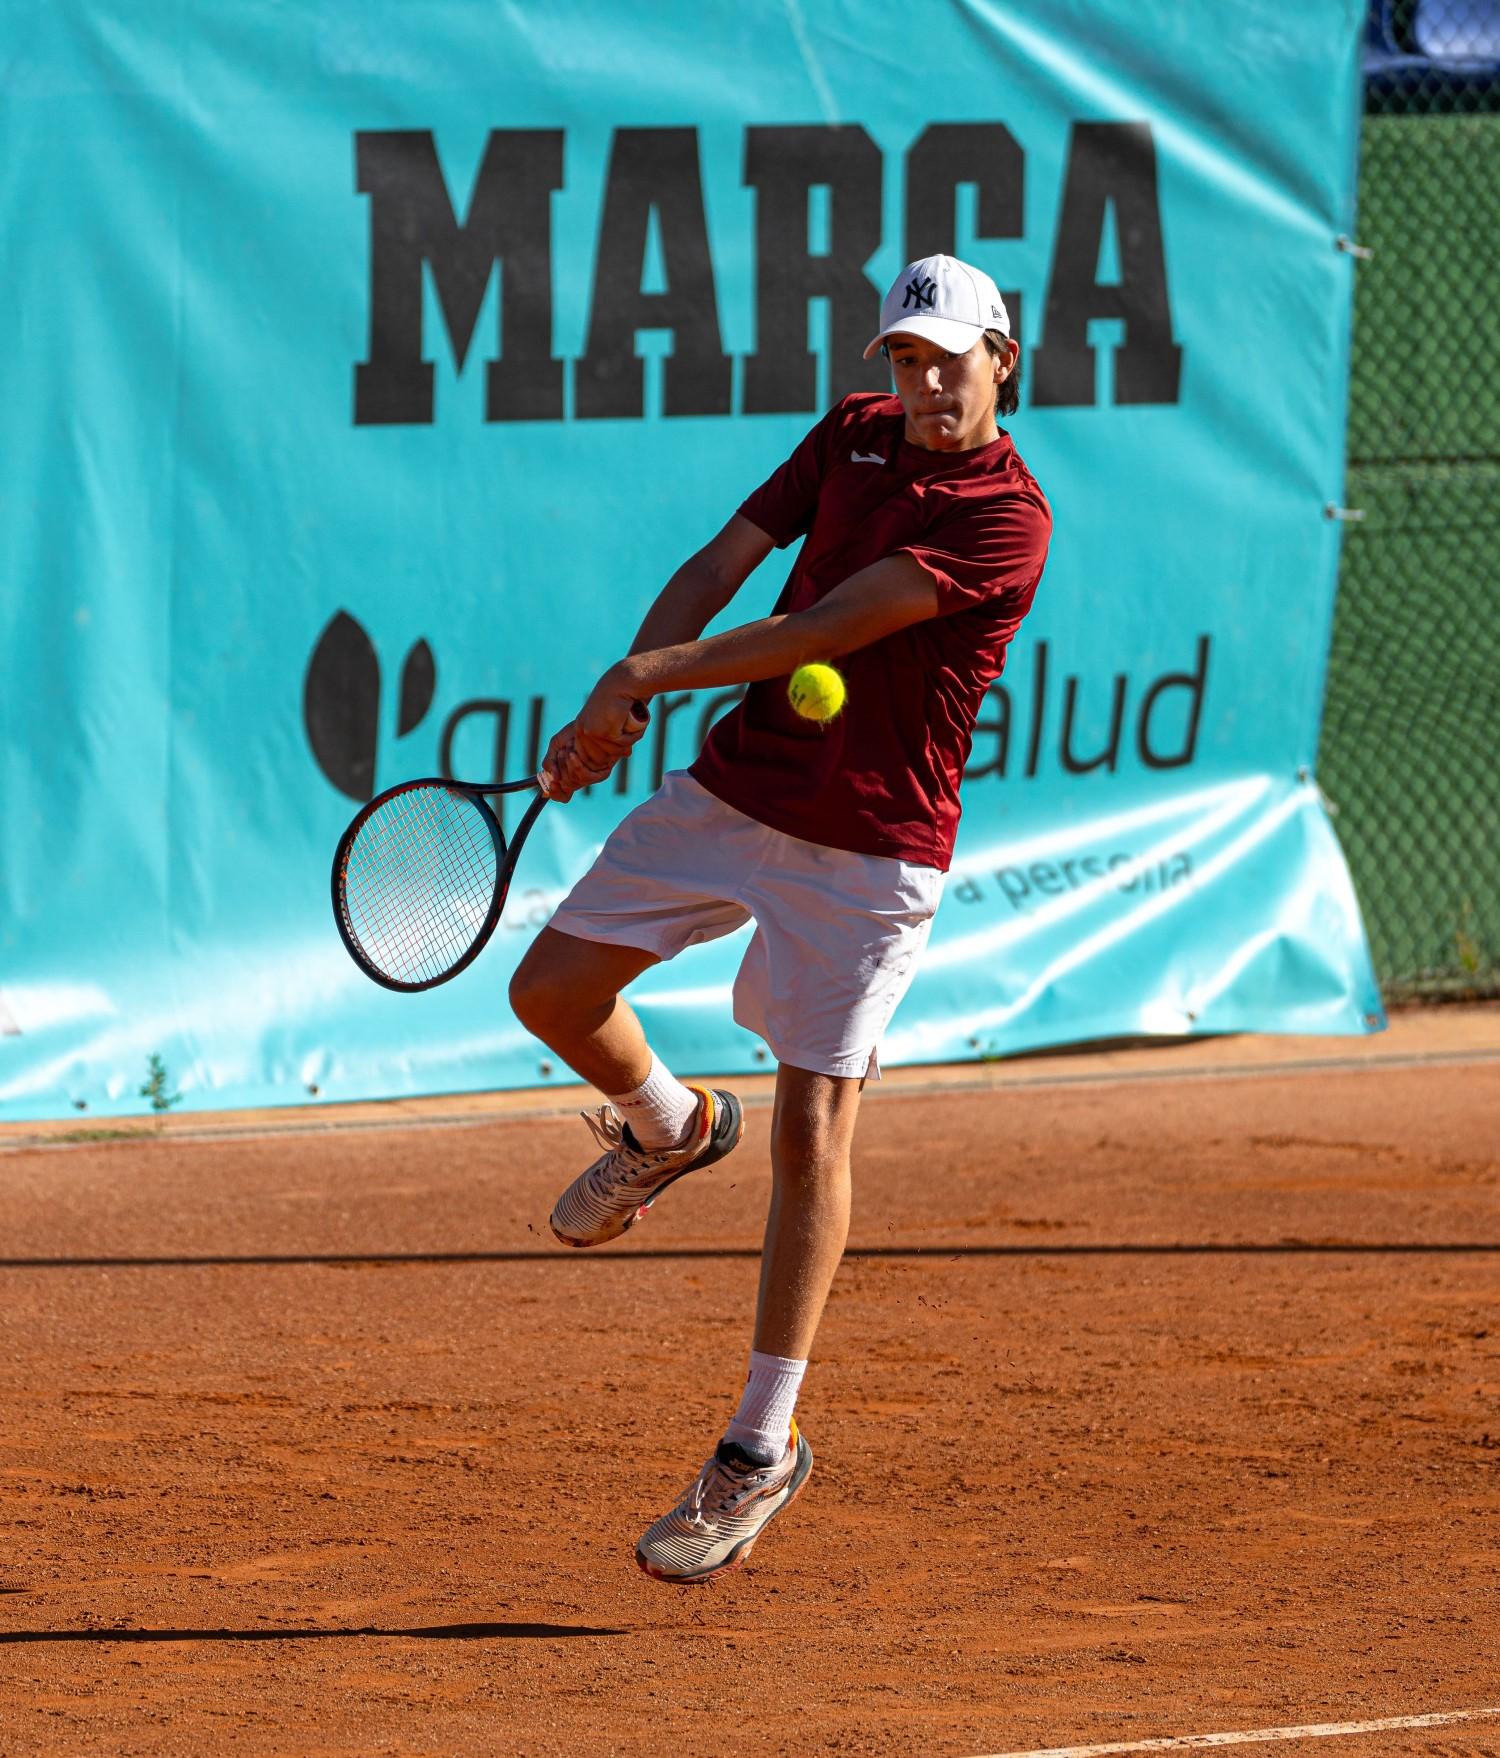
(660, 1109)
(763, 1421)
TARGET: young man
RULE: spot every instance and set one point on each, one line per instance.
(924, 538)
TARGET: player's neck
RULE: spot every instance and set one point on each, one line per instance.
(985, 433)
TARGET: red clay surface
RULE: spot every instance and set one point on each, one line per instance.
(1147, 1408)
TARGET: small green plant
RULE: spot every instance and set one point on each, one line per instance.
(1470, 953)
(156, 1087)
(82, 1137)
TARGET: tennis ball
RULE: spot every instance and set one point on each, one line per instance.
(816, 691)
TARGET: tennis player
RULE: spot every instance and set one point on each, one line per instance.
(924, 537)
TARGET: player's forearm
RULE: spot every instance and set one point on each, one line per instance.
(765, 649)
(888, 595)
(768, 648)
(684, 607)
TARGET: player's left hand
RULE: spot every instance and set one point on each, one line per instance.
(563, 771)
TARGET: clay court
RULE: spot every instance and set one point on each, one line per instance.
(1157, 1396)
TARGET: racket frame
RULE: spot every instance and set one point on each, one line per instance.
(505, 861)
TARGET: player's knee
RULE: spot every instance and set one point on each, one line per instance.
(563, 987)
(810, 1152)
(814, 1125)
(530, 994)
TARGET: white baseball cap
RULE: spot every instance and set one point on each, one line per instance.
(944, 300)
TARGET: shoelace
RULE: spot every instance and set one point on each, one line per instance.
(732, 1492)
(609, 1133)
(608, 1127)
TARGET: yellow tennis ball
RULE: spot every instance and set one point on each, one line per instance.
(816, 691)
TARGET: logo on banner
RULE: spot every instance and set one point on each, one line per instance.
(1032, 723)
(1104, 244)
(341, 703)
(482, 738)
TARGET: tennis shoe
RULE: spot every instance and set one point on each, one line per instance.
(626, 1179)
(723, 1513)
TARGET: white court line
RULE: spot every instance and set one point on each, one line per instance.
(1319, 1730)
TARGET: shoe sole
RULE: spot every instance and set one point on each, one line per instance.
(711, 1155)
(740, 1554)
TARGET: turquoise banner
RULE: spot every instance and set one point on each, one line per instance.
(372, 366)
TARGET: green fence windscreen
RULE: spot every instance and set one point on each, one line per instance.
(1410, 750)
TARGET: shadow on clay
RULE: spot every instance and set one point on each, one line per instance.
(557, 1255)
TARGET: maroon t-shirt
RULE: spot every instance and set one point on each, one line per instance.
(883, 778)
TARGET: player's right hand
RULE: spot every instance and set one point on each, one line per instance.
(571, 763)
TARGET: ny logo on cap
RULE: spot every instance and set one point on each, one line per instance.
(922, 294)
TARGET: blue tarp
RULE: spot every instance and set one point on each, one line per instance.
(371, 367)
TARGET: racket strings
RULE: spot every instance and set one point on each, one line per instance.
(419, 882)
(424, 886)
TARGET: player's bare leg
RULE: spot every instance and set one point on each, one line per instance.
(655, 1129)
(812, 1133)
(763, 1461)
(566, 991)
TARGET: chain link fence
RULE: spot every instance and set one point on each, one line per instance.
(1410, 751)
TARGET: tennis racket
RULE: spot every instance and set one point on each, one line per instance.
(421, 875)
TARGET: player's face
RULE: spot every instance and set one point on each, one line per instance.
(949, 399)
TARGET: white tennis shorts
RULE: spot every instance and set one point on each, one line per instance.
(836, 936)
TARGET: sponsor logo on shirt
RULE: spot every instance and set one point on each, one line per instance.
(866, 458)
